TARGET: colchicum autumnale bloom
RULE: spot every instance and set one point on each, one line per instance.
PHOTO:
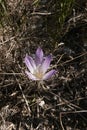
(38, 66)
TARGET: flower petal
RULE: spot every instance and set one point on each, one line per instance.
(30, 76)
(46, 63)
(49, 74)
(39, 56)
(30, 63)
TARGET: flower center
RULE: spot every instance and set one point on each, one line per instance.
(38, 73)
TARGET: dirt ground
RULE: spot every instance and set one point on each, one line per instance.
(62, 104)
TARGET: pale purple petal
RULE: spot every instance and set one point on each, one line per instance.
(30, 76)
(39, 56)
(49, 74)
(30, 63)
(46, 63)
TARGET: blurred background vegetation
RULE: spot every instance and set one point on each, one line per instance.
(41, 18)
(54, 13)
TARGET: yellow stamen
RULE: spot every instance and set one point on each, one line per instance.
(38, 73)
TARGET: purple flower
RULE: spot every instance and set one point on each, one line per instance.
(37, 67)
